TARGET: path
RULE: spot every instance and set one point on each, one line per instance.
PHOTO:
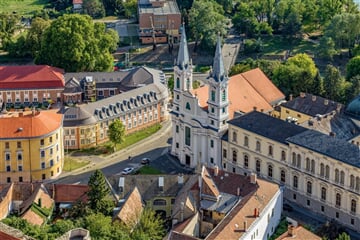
(230, 50)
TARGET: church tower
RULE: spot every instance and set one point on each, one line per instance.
(218, 102)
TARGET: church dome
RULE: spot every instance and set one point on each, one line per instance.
(353, 108)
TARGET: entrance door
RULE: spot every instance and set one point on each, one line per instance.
(187, 160)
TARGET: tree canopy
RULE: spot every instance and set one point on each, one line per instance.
(74, 43)
(98, 192)
(116, 132)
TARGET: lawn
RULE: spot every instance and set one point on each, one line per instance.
(22, 7)
(149, 170)
(71, 164)
(273, 45)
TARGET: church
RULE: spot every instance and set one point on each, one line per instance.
(199, 116)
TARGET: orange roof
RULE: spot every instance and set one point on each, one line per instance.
(32, 217)
(244, 211)
(29, 125)
(31, 77)
(131, 210)
(246, 91)
(68, 193)
(77, 1)
(300, 233)
(5, 236)
(208, 185)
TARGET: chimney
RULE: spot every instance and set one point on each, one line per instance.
(255, 212)
(262, 110)
(253, 178)
(258, 212)
(291, 97)
(302, 94)
(182, 212)
(332, 134)
(326, 102)
(255, 108)
(238, 191)
(180, 179)
(313, 98)
(245, 226)
(216, 171)
(21, 114)
(291, 231)
(338, 107)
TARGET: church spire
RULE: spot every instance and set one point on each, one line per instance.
(183, 54)
(218, 70)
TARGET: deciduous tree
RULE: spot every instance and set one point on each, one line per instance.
(116, 132)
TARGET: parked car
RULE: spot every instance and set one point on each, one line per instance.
(127, 171)
(145, 161)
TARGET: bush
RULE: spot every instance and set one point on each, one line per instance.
(252, 46)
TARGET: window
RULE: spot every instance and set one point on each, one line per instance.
(19, 156)
(177, 128)
(352, 181)
(224, 110)
(18, 144)
(224, 153)
(312, 168)
(322, 208)
(270, 150)
(307, 162)
(298, 161)
(295, 182)
(327, 172)
(308, 202)
(43, 165)
(234, 156)
(101, 93)
(353, 206)
(258, 166)
(270, 171)
(43, 176)
(51, 151)
(177, 145)
(352, 221)
(51, 163)
(111, 92)
(323, 194)
(223, 95)
(20, 179)
(283, 176)
(357, 184)
(8, 179)
(42, 142)
(309, 187)
(188, 106)
(187, 136)
(7, 156)
(211, 160)
(213, 95)
(337, 214)
(42, 153)
(177, 82)
(246, 141)
(7, 145)
(234, 137)
(20, 168)
(342, 177)
(338, 200)
(337, 175)
(8, 168)
(159, 202)
(322, 170)
(258, 146)
(246, 161)
(283, 155)
(293, 162)
(212, 143)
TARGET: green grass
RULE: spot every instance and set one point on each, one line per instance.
(71, 164)
(22, 7)
(149, 170)
(277, 45)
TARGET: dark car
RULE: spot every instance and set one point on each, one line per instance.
(145, 161)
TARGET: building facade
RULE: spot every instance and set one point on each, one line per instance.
(319, 172)
(32, 146)
(27, 86)
(199, 116)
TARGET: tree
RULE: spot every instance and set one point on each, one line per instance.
(35, 33)
(206, 20)
(343, 236)
(354, 88)
(112, 7)
(98, 191)
(8, 26)
(326, 48)
(94, 8)
(75, 43)
(334, 84)
(130, 8)
(116, 132)
(353, 67)
(150, 226)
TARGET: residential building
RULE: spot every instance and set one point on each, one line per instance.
(77, 6)
(319, 172)
(199, 116)
(212, 208)
(32, 146)
(159, 20)
(30, 85)
(298, 233)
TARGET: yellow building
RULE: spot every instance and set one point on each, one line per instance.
(32, 146)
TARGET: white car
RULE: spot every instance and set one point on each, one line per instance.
(127, 171)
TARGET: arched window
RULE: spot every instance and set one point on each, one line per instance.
(270, 171)
(246, 141)
(323, 193)
(298, 161)
(327, 172)
(309, 187)
(352, 181)
(234, 156)
(213, 95)
(283, 155)
(293, 159)
(295, 182)
(283, 176)
(357, 184)
(337, 175)
(353, 206)
(188, 84)
(159, 202)
(223, 95)
(342, 177)
(246, 161)
(312, 166)
(338, 200)
(258, 166)
(322, 170)
(177, 82)
(188, 106)
(234, 137)
(258, 146)
(270, 150)
(307, 164)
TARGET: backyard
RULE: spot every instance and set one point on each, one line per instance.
(22, 7)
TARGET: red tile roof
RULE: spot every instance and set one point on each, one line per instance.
(68, 193)
(246, 91)
(32, 217)
(29, 125)
(299, 233)
(77, 1)
(5, 236)
(31, 77)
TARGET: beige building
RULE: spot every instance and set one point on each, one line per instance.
(319, 172)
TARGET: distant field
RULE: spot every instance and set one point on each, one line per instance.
(22, 7)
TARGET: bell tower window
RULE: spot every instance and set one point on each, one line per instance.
(177, 82)
(223, 95)
(213, 95)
